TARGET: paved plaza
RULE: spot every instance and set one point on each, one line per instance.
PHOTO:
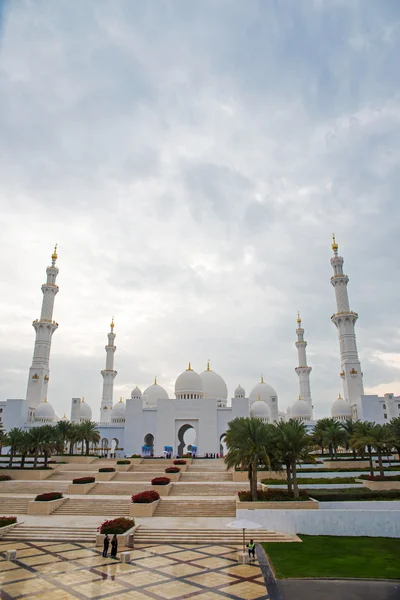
(69, 571)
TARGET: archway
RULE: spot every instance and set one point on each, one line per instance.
(114, 446)
(104, 447)
(186, 438)
(222, 445)
(149, 441)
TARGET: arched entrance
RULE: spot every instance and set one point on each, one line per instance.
(104, 447)
(149, 441)
(114, 446)
(186, 437)
(222, 445)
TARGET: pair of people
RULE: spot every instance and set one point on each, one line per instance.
(114, 546)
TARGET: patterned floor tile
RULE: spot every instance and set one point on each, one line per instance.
(186, 555)
(141, 578)
(212, 579)
(99, 588)
(245, 590)
(173, 589)
(181, 570)
(213, 563)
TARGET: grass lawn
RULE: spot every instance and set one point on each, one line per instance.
(330, 556)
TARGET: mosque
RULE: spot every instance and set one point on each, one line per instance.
(195, 420)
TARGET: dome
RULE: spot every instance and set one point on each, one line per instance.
(118, 411)
(239, 392)
(85, 412)
(44, 412)
(260, 410)
(189, 385)
(136, 393)
(341, 409)
(265, 391)
(213, 384)
(300, 410)
(153, 393)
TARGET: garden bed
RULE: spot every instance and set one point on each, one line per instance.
(122, 526)
(354, 494)
(28, 473)
(273, 499)
(311, 480)
(45, 504)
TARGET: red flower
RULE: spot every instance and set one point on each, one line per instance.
(146, 497)
(160, 481)
(172, 470)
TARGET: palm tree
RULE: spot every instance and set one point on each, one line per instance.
(395, 429)
(24, 446)
(88, 433)
(334, 436)
(13, 439)
(62, 431)
(42, 442)
(2, 437)
(319, 430)
(361, 439)
(294, 444)
(250, 444)
(382, 440)
(74, 436)
(349, 426)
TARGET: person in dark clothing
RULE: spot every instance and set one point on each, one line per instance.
(105, 545)
(114, 546)
(252, 549)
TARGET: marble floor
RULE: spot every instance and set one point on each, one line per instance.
(69, 571)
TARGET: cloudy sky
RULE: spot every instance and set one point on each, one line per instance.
(192, 160)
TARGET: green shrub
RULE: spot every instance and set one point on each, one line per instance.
(83, 480)
(123, 462)
(353, 494)
(380, 477)
(4, 521)
(107, 470)
(272, 495)
(310, 480)
(136, 456)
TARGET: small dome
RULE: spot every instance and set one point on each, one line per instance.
(85, 412)
(341, 409)
(260, 410)
(118, 411)
(45, 412)
(300, 410)
(136, 393)
(239, 392)
(189, 383)
(154, 393)
(213, 385)
(265, 391)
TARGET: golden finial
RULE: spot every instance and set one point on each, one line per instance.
(298, 318)
(65, 416)
(83, 398)
(155, 380)
(258, 398)
(45, 399)
(262, 379)
(335, 245)
(120, 399)
(189, 368)
(299, 398)
(339, 397)
(112, 324)
(208, 365)
(54, 255)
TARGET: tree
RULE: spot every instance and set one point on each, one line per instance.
(74, 436)
(88, 434)
(395, 429)
(62, 431)
(13, 439)
(334, 436)
(250, 444)
(2, 437)
(361, 439)
(382, 440)
(42, 442)
(24, 446)
(349, 427)
(295, 445)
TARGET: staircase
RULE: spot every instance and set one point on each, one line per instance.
(138, 476)
(13, 506)
(194, 508)
(37, 533)
(32, 487)
(199, 475)
(94, 507)
(150, 467)
(234, 537)
(205, 489)
(117, 489)
(66, 475)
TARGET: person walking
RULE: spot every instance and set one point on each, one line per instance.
(105, 545)
(252, 550)
(114, 546)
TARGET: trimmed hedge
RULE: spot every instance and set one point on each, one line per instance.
(353, 495)
(107, 470)
(5, 478)
(160, 481)
(145, 497)
(180, 462)
(4, 521)
(380, 478)
(119, 525)
(135, 456)
(83, 480)
(272, 495)
(309, 480)
(123, 462)
(48, 497)
(173, 470)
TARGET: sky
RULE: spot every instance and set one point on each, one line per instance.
(191, 160)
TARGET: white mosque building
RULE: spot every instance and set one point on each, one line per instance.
(150, 422)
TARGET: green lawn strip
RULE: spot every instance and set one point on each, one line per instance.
(353, 494)
(344, 469)
(309, 480)
(330, 556)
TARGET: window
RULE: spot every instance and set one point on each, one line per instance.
(385, 416)
(384, 407)
(1, 410)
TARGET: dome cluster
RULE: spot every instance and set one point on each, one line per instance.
(301, 410)
(118, 412)
(341, 409)
(45, 413)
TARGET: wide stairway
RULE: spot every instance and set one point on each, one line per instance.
(150, 466)
(118, 489)
(94, 507)
(38, 533)
(32, 487)
(138, 476)
(199, 475)
(205, 489)
(66, 475)
(194, 508)
(234, 537)
(10, 505)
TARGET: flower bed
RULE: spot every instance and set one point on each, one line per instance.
(4, 521)
(136, 456)
(172, 470)
(83, 480)
(48, 497)
(160, 481)
(180, 462)
(274, 495)
(5, 478)
(123, 462)
(119, 525)
(380, 477)
(312, 480)
(146, 497)
(354, 494)
(107, 470)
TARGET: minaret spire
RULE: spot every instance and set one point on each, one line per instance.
(303, 370)
(44, 328)
(108, 377)
(345, 320)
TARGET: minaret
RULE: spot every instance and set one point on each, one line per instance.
(108, 377)
(44, 328)
(303, 370)
(345, 320)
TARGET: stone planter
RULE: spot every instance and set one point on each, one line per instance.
(142, 510)
(380, 485)
(346, 464)
(172, 476)
(105, 476)
(242, 476)
(136, 461)
(80, 488)
(123, 467)
(123, 538)
(84, 460)
(285, 505)
(162, 490)
(44, 508)
(181, 467)
(28, 474)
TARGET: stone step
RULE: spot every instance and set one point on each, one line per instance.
(206, 476)
(55, 533)
(147, 535)
(206, 489)
(32, 487)
(138, 475)
(189, 508)
(70, 475)
(118, 488)
(94, 507)
(11, 505)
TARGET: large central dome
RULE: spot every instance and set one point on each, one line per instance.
(154, 393)
(213, 385)
(189, 385)
(264, 391)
